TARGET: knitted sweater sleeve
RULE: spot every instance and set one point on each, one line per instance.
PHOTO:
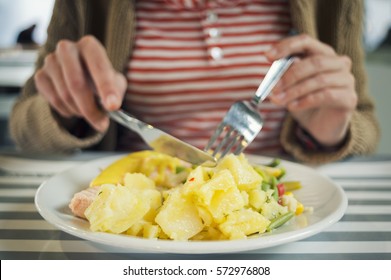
(339, 24)
(34, 126)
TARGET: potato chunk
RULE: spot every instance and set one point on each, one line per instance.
(242, 223)
(244, 174)
(220, 195)
(116, 208)
(178, 218)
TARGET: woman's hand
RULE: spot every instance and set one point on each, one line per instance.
(318, 89)
(77, 73)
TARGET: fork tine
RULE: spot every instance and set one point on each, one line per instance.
(234, 141)
(223, 141)
(241, 147)
(214, 137)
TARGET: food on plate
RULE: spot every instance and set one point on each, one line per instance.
(152, 195)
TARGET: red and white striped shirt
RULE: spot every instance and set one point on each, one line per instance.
(193, 58)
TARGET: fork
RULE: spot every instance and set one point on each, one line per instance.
(243, 121)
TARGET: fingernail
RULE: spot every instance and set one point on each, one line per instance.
(111, 102)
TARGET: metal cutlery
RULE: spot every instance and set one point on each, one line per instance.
(161, 141)
(243, 122)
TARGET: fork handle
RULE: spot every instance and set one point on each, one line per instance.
(274, 74)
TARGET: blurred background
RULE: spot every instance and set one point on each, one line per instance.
(23, 26)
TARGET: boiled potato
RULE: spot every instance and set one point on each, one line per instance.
(244, 174)
(140, 182)
(242, 223)
(116, 208)
(178, 217)
(257, 197)
(220, 195)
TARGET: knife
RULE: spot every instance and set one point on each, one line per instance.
(161, 141)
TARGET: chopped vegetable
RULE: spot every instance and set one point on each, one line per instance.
(279, 221)
(292, 185)
(281, 189)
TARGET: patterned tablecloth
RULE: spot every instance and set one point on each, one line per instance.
(364, 232)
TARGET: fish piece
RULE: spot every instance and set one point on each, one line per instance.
(82, 200)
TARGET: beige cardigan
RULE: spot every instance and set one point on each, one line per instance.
(35, 127)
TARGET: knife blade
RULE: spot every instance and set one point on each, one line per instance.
(161, 141)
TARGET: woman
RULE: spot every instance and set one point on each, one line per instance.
(123, 53)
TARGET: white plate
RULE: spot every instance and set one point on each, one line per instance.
(327, 199)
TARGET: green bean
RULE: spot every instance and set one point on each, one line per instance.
(179, 169)
(279, 221)
(260, 171)
(274, 188)
(274, 163)
(265, 186)
(283, 172)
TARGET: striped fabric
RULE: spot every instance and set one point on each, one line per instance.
(193, 59)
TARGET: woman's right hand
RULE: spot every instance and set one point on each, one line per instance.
(77, 73)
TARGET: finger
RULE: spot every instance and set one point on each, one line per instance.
(311, 66)
(91, 112)
(341, 98)
(74, 74)
(47, 90)
(77, 82)
(102, 73)
(302, 44)
(97, 118)
(122, 84)
(347, 61)
(53, 70)
(314, 84)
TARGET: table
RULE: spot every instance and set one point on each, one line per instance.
(364, 232)
(16, 66)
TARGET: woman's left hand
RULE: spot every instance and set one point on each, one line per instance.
(318, 89)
